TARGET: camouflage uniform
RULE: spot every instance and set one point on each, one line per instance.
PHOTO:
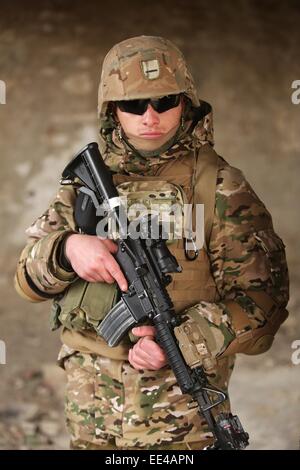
(236, 303)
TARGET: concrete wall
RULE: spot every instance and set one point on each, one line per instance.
(244, 55)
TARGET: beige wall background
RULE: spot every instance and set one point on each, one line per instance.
(244, 55)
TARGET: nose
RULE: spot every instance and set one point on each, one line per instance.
(150, 117)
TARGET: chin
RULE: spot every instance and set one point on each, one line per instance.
(150, 147)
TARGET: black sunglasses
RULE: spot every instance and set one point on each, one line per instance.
(140, 106)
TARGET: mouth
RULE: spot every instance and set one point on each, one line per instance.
(151, 135)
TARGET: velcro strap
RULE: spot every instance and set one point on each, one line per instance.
(23, 289)
(272, 312)
(240, 321)
(264, 302)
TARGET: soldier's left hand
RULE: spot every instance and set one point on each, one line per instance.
(146, 353)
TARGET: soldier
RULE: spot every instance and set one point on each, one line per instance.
(156, 136)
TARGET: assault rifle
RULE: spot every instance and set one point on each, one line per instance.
(147, 264)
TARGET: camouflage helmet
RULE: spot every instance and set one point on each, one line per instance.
(143, 67)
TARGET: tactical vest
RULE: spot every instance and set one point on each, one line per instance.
(195, 282)
(89, 301)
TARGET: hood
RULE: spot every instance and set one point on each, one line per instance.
(197, 132)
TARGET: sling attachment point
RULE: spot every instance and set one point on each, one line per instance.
(190, 254)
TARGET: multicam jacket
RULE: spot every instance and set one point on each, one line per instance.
(245, 254)
(237, 303)
(232, 297)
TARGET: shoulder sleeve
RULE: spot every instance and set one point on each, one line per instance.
(244, 250)
(39, 276)
(249, 266)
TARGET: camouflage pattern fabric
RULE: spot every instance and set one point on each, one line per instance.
(83, 445)
(126, 73)
(121, 158)
(44, 236)
(165, 202)
(110, 403)
(246, 255)
(107, 401)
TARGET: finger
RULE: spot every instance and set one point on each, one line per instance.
(140, 353)
(135, 362)
(140, 357)
(110, 245)
(145, 330)
(114, 270)
(94, 276)
(98, 271)
(90, 277)
(150, 350)
(145, 365)
(106, 277)
(152, 359)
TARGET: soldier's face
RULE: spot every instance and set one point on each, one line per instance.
(150, 130)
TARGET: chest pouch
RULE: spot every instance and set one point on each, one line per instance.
(83, 305)
(154, 209)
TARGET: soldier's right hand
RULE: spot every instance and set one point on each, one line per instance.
(91, 258)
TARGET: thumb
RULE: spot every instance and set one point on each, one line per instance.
(146, 330)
